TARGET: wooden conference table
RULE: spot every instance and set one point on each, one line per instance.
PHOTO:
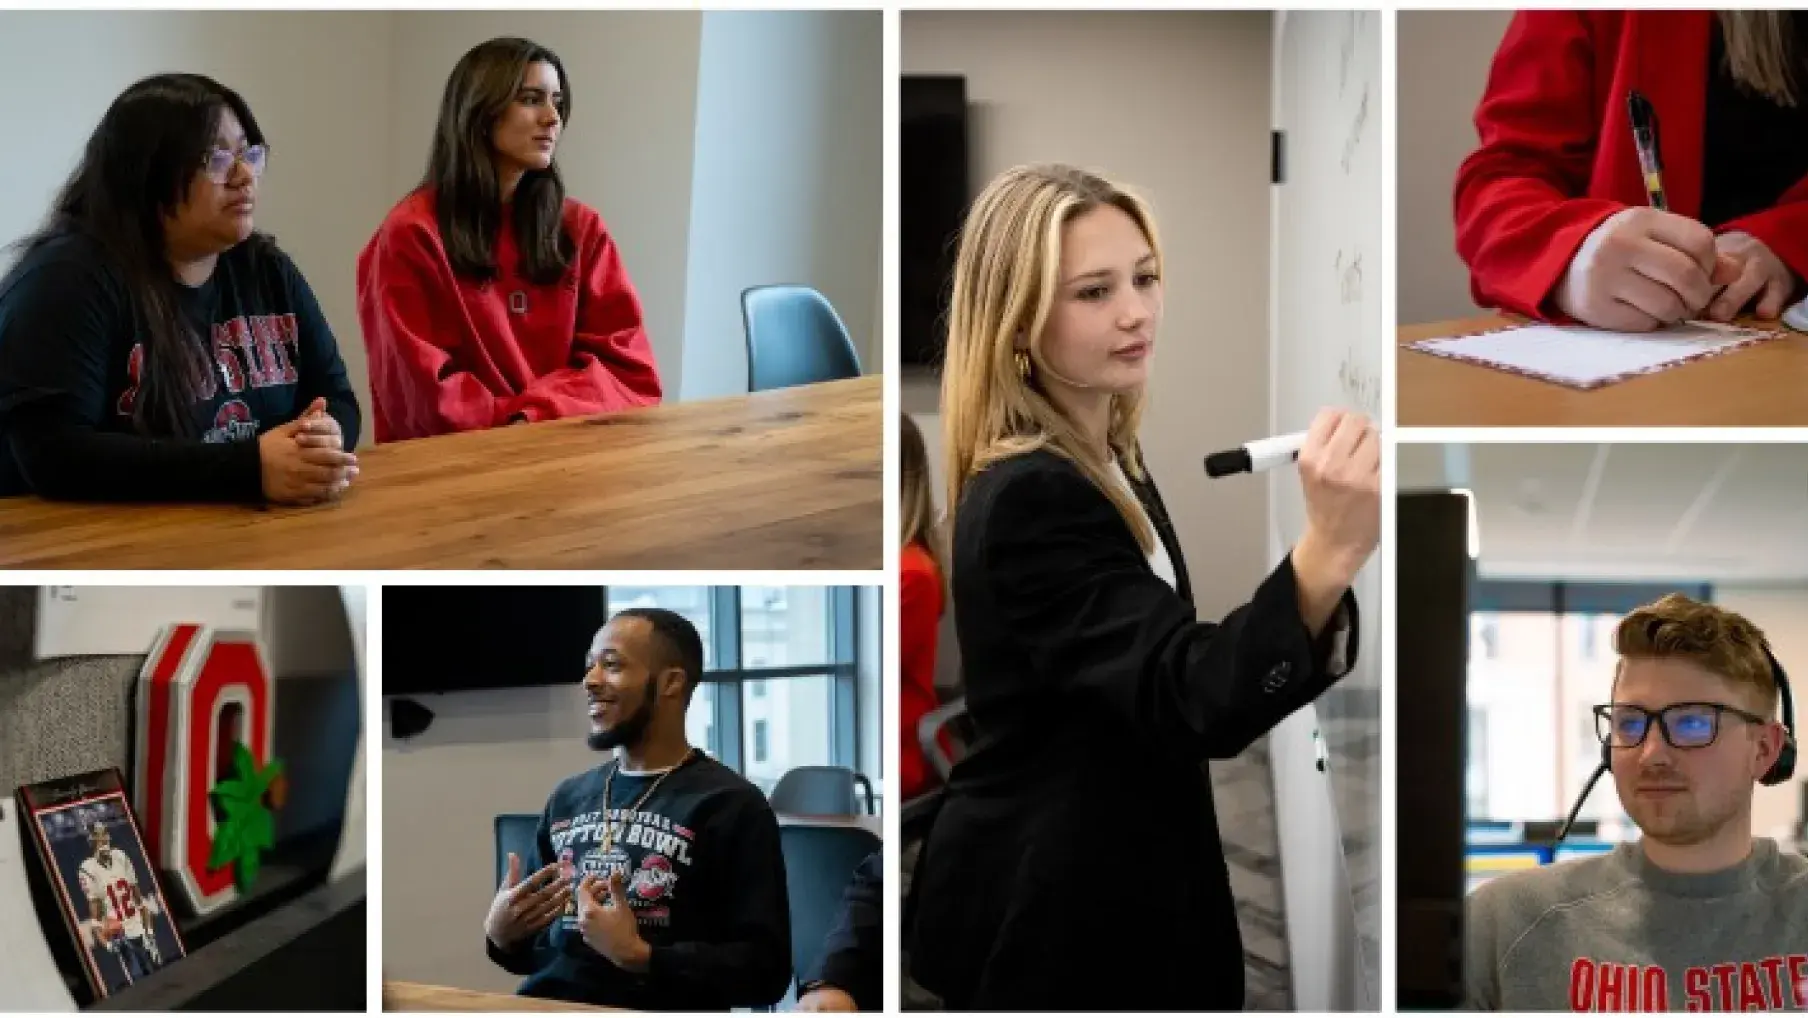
(403, 996)
(866, 822)
(1766, 384)
(786, 479)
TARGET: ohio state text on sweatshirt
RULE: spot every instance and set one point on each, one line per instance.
(705, 876)
(1616, 933)
(449, 353)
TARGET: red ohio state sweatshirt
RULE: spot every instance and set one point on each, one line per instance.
(454, 354)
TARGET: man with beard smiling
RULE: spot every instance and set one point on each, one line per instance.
(659, 883)
(1698, 915)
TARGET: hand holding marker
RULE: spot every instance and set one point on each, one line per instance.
(1340, 479)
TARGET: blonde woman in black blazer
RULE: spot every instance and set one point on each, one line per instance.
(1075, 864)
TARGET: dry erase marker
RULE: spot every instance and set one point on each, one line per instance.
(1644, 138)
(1257, 456)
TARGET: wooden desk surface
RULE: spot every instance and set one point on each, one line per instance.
(788, 479)
(402, 996)
(874, 825)
(1766, 385)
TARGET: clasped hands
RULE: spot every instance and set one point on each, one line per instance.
(304, 462)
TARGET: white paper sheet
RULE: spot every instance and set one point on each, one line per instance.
(126, 620)
(1586, 358)
(1796, 315)
(29, 980)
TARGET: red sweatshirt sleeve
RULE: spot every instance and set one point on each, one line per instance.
(612, 361)
(1519, 212)
(919, 618)
(403, 282)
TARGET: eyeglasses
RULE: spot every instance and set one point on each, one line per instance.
(220, 162)
(1685, 725)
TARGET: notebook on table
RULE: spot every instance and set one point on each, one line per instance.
(1580, 357)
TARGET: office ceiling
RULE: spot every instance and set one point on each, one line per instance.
(1715, 512)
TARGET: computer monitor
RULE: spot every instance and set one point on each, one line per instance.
(1580, 849)
(1482, 863)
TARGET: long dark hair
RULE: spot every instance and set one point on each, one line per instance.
(137, 169)
(462, 168)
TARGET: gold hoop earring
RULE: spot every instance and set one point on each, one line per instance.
(1023, 365)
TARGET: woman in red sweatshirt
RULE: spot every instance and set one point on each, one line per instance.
(921, 593)
(487, 297)
(1552, 213)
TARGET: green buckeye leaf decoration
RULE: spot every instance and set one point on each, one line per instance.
(249, 829)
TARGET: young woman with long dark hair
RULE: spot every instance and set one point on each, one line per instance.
(488, 297)
(153, 345)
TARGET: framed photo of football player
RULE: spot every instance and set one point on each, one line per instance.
(92, 855)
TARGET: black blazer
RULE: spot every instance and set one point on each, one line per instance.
(1075, 863)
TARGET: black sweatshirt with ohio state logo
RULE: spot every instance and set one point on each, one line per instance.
(72, 362)
(701, 861)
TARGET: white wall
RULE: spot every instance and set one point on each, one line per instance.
(627, 152)
(323, 191)
(486, 753)
(1443, 59)
(1175, 104)
(1782, 613)
(788, 179)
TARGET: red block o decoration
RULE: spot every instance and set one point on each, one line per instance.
(200, 691)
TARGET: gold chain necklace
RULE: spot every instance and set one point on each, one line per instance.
(609, 835)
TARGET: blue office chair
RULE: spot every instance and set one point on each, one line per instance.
(819, 865)
(794, 337)
(821, 792)
(514, 833)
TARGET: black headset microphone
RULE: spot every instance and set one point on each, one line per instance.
(1779, 772)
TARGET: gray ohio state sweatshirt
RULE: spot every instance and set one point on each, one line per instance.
(1615, 933)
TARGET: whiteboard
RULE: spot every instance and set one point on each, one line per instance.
(1325, 320)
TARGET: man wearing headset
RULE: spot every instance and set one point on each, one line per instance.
(1698, 915)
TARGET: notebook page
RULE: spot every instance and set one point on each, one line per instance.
(1587, 358)
(29, 980)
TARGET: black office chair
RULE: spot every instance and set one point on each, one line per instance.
(515, 833)
(794, 337)
(950, 720)
(821, 792)
(819, 864)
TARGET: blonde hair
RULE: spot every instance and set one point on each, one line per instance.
(1760, 52)
(1005, 276)
(914, 504)
(1719, 641)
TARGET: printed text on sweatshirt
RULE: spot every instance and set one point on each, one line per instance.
(1616, 933)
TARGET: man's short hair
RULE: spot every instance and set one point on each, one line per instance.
(675, 641)
(1717, 640)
